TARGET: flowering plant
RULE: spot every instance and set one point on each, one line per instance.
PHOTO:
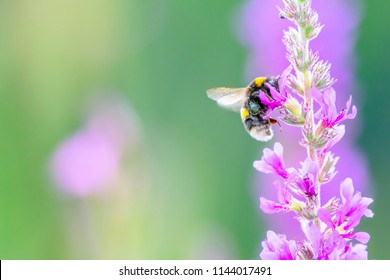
(305, 99)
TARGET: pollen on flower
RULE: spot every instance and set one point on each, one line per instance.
(340, 229)
(296, 205)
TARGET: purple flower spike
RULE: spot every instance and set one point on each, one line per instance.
(272, 161)
(277, 247)
(329, 228)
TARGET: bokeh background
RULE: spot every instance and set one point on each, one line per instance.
(110, 149)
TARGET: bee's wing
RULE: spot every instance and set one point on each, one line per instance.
(231, 98)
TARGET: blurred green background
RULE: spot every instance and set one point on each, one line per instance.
(187, 193)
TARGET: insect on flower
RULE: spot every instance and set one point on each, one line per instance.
(254, 112)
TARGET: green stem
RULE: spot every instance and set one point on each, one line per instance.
(308, 100)
(311, 151)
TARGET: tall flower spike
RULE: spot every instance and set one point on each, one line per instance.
(266, 54)
(328, 227)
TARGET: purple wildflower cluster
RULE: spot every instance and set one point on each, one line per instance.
(328, 227)
(306, 100)
(261, 35)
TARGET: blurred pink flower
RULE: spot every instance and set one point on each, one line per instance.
(90, 159)
(85, 162)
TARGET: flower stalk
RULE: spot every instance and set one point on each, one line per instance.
(329, 228)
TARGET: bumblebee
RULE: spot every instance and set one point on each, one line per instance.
(247, 101)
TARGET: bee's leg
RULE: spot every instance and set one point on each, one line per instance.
(273, 121)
